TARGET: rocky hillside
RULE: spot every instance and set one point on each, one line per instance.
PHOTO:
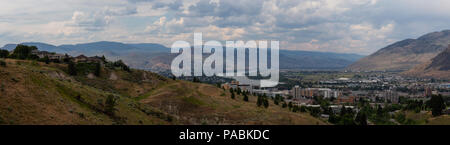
(404, 55)
(438, 67)
(38, 93)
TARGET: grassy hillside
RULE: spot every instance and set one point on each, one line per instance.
(421, 118)
(37, 93)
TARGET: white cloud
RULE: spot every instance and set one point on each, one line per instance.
(356, 26)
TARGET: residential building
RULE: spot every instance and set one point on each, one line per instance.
(295, 92)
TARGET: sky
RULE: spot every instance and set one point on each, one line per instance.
(344, 26)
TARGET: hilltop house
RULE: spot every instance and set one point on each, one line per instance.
(56, 56)
(236, 85)
(50, 55)
(80, 58)
(85, 59)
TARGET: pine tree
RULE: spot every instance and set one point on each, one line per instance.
(72, 69)
(303, 108)
(333, 118)
(275, 101)
(343, 111)
(196, 80)
(295, 108)
(103, 58)
(46, 59)
(110, 103)
(97, 69)
(126, 68)
(284, 105)
(266, 103)
(66, 58)
(437, 105)
(259, 101)
(245, 98)
(379, 111)
(361, 118)
(2, 63)
(4, 53)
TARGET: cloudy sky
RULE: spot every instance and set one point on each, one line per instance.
(349, 26)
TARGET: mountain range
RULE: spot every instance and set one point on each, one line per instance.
(406, 54)
(156, 57)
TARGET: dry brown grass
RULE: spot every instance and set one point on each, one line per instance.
(422, 72)
(441, 120)
(194, 103)
(39, 93)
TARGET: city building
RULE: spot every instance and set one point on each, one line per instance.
(295, 92)
(428, 92)
(444, 86)
(390, 96)
(345, 99)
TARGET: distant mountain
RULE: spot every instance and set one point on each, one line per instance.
(315, 60)
(9, 47)
(404, 55)
(98, 46)
(156, 57)
(43, 46)
(438, 67)
(151, 46)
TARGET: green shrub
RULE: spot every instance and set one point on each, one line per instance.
(284, 105)
(4, 53)
(97, 69)
(71, 69)
(169, 119)
(119, 64)
(2, 63)
(266, 103)
(1, 120)
(85, 68)
(34, 63)
(14, 80)
(245, 98)
(110, 103)
(81, 114)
